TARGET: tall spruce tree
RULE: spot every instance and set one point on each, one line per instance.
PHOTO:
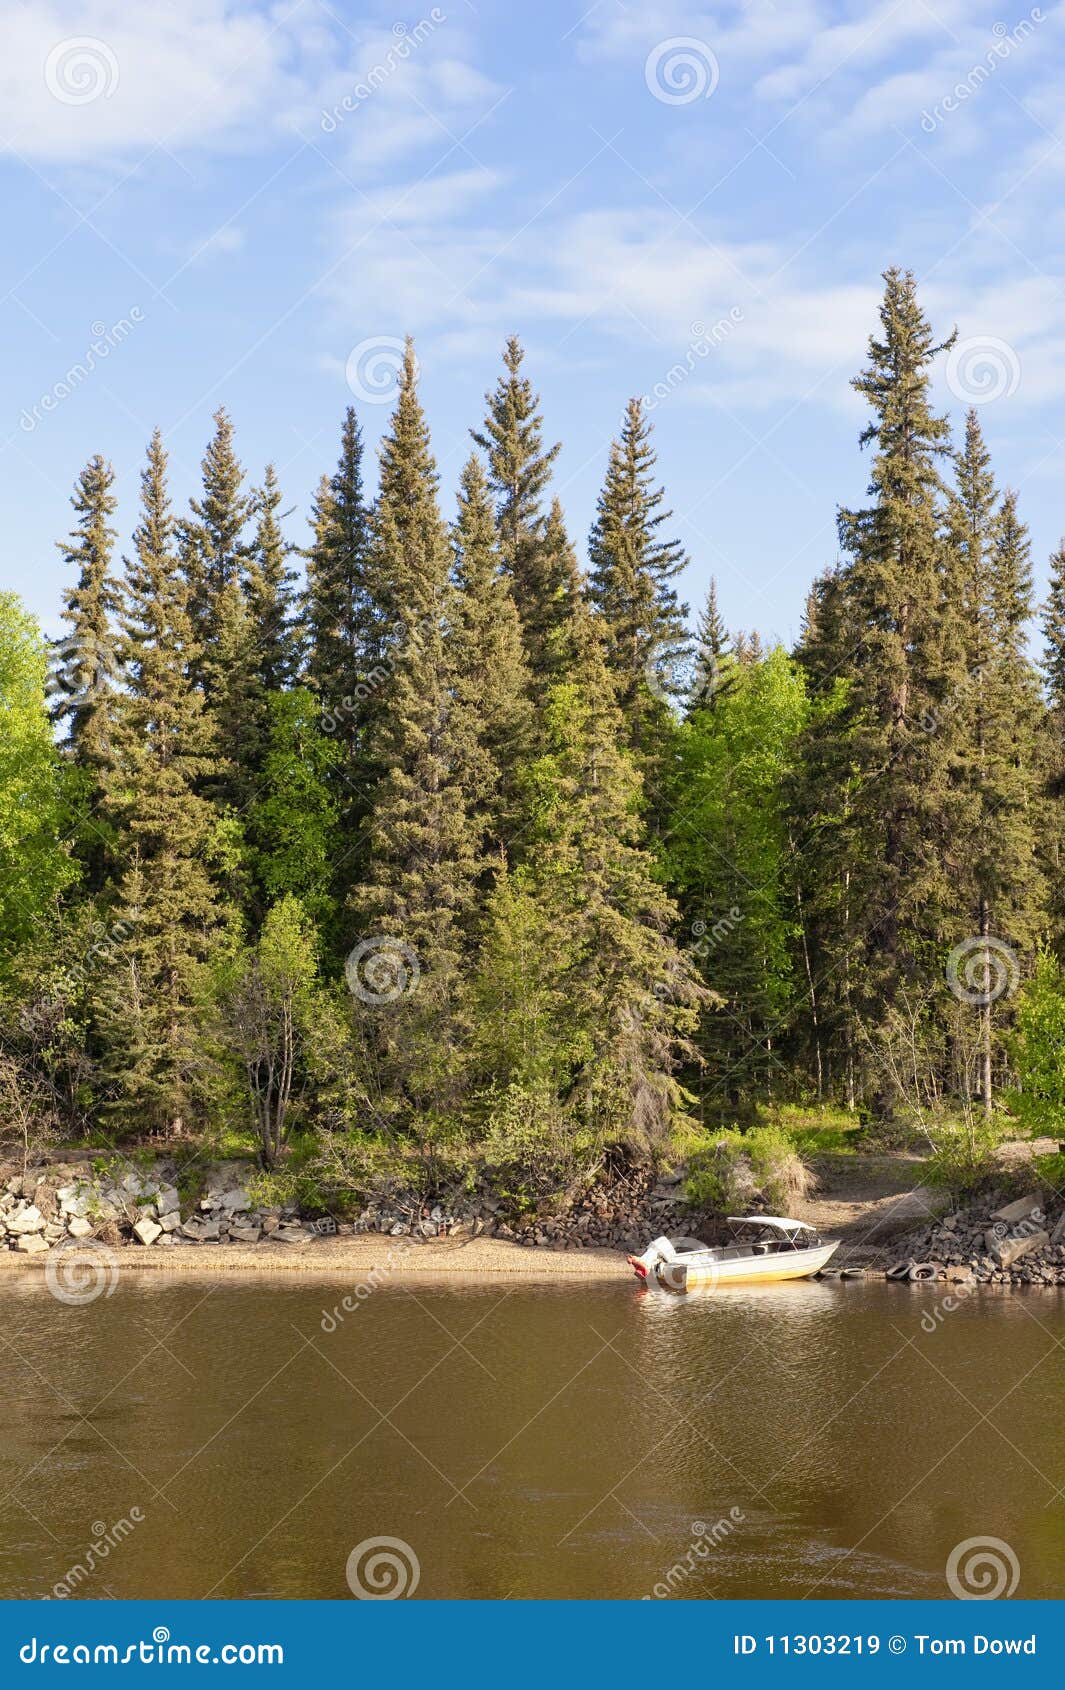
(492, 678)
(586, 1004)
(713, 653)
(215, 551)
(631, 584)
(341, 609)
(908, 664)
(413, 904)
(519, 470)
(1053, 669)
(86, 665)
(995, 734)
(166, 908)
(270, 591)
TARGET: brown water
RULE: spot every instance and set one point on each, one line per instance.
(561, 1440)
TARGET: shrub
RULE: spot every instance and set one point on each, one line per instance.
(739, 1171)
(964, 1156)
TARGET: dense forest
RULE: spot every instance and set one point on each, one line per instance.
(425, 844)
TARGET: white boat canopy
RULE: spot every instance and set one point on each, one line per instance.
(778, 1222)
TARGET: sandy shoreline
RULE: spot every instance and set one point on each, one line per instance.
(368, 1257)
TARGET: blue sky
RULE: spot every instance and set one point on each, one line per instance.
(251, 204)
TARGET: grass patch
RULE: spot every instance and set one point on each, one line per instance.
(814, 1129)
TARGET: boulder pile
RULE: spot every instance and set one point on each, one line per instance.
(142, 1206)
(993, 1243)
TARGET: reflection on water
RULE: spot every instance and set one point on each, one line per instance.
(530, 1441)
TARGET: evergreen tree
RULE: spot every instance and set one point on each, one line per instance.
(417, 889)
(85, 674)
(270, 590)
(998, 714)
(907, 665)
(612, 999)
(492, 677)
(1053, 741)
(1054, 640)
(225, 659)
(633, 568)
(713, 653)
(519, 470)
(342, 611)
(150, 1009)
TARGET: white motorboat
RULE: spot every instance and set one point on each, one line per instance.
(762, 1248)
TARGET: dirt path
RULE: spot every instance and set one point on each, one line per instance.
(867, 1201)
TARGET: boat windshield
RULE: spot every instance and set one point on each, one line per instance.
(771, 1235)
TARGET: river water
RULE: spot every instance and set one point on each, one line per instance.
(560, 1440)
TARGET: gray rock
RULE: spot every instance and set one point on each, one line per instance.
(30, 1243)
(26, 1221)
(168, 1202)
(170, 1220)
(1025, 1208)
(78, 1227)
(1006, 1251)
(147, 1230)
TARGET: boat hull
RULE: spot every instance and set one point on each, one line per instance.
(697, 1270)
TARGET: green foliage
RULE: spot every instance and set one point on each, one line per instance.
(1037, 1050)
(601, 891)
(739, 1172)
(964, 1157)
(729, 856)
(35, 866)
(292, 821)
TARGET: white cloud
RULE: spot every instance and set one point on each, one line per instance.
(100, 78)
(84, 81)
